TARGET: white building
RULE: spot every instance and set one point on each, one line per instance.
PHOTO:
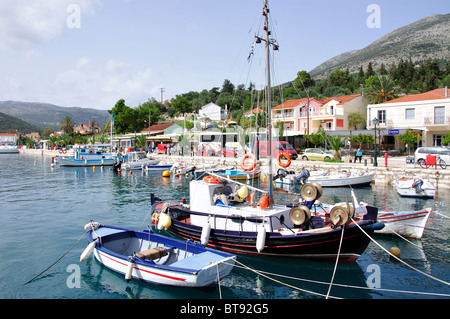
(213, 111)
(427, 113)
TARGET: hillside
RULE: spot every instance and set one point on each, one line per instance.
(48, 115)
(421, 40)
(8, 122)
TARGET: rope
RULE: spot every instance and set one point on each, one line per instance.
(336, 263)
(348, 286)
(218, 281)
(262, 273)
(417, 246)
(42, 272)
(392, 255)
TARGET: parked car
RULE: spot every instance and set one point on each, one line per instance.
(315, 154)
(277, 147)
(162, 148)
(442, 152)
(229, 152)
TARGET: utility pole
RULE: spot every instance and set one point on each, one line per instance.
(162, 92)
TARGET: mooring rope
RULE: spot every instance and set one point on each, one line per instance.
(417, 246)
(336, 263)
(403, 262)
(343, 285)
(46, 269)
(262, 273)
(218, 281)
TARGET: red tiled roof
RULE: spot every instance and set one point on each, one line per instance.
(436, 94)
(255, 111)
(341, 99)
(158, 127)
(292, 103)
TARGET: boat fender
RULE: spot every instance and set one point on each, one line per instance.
(243, 192)
(129, 271)
(206, 231)
(88, 251)
(261, 238)
(164, 221)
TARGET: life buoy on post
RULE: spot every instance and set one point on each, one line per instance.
(288, 157)
(211, 180)
(252, 165)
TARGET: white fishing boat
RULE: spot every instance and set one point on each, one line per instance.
(420, 187)
(286, 177)
(138, 160)
(343, 179)
(8, 149)
(154, 258)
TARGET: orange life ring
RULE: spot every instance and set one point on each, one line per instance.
(91, 151)
(211, 180)
(288, 157)
(251, 166)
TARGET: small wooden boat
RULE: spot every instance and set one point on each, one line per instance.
(154, 258)
(421, 188)
(159, 167)
(8, 149)
(239, 175)
(138, 160)
(344, 179)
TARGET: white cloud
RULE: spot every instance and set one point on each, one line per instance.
(27, 22)
(101, 85)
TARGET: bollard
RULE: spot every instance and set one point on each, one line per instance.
(385, 159)
(365, 162)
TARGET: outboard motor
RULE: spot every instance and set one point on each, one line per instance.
(191, 170)
(117, 165)
(281, 173)
(417, 184)
(301, 177)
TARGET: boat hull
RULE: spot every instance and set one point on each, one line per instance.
(405, 189)
(408, 224)
(331, 181)
(71, 162)
(322, 245)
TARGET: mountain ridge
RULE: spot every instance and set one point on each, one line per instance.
(428, 38)
(49, 115)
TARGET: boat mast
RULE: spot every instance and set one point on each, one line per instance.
(269, 102)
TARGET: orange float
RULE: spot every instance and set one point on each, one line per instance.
(252, 165)
(288, 157)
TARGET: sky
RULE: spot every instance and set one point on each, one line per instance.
(91, 53)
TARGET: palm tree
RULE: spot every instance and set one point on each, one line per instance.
(382, 89)
(67, 125)
(336, 143)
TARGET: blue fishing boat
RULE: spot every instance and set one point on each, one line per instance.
(87, 157)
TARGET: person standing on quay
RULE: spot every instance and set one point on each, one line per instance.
(358, 155)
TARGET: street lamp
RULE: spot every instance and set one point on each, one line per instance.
(375, 123)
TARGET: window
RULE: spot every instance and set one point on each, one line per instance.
(437, 139)
(382, 116)
(410, 114)
(439, 115)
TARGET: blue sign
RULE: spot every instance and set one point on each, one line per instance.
(393, 132)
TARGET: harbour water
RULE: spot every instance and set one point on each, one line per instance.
(43, 211)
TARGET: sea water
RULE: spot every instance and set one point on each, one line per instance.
(43, 210)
